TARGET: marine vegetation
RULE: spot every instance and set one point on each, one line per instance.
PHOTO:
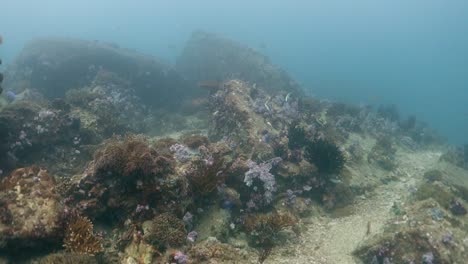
(230, 173)
(402, 247)
(165, 231)
(67, 258)
(206, 174)
(126, 176)
(80, 237)
(264, 230)
(211, 250)
(130, 157)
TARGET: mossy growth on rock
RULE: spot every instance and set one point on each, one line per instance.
(205, 176)
(402, 247)
(131, 157)
(67, 258)
(127, 172)
(264, 229)
(433, 175)
(213, 251)
(164, 231)
(437, 191)
(30, 211)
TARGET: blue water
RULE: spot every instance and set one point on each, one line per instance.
(409, 52)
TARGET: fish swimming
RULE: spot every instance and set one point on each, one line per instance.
(209, 84)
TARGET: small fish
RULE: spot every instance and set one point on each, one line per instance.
(335, 181)
(209, 84)
(1, 39)
(266, 105)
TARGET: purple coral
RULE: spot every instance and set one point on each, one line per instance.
(11, 96)
(180, 258)
(428, 258)
(181, 152)
(192, 236)
(291, 197)
(262, 173)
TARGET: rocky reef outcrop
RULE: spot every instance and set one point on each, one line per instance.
(30, 211)
(52, 66)
(233, 177)
(210, 57)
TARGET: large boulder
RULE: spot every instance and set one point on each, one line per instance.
(55, 65)
(209, 57)
(30, 211)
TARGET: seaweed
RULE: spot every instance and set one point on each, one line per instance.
(263, 229)
(206, 175)
(164, 231)
(80, 238)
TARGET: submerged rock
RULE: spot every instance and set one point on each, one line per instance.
(208, 58)
(55, 65)
(29, 129)
(30, 212)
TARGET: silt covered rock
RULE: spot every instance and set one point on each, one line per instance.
(30, 212)
(53, 66)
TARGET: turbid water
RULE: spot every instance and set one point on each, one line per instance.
(217, 132)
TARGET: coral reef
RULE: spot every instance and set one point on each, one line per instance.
(403, 247)
(125, 175)
(52, 66)
(107, 106)
(263, 183)
(236, 174)
(30, 129)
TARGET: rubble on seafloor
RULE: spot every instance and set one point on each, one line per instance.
(97, 166)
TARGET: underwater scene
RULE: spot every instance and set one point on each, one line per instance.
(171, 132)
